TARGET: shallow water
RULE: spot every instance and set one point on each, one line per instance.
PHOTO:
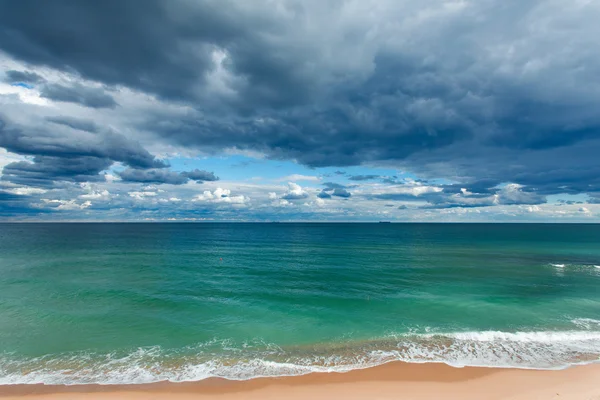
(132, 303)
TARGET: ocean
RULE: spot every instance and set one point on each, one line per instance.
(116, 303)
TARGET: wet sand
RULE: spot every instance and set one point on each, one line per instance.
(390, 381)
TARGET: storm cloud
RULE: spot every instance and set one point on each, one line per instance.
(13, 76)
(153, 176)
(496, 101)
(75, 123)
(201, 176)
(165, 176)
(68, 156)
(89, 97)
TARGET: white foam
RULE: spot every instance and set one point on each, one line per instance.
(587, 323)
(575, 266)
(526, 337)
(538, 350)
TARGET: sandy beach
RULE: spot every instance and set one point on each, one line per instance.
(390, 381)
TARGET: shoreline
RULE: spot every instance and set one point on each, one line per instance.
(412, 381)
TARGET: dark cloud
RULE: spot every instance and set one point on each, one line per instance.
(153, 176)
(594, 198)
(77, 93)
(304, 136)
(165, 176)
(332, 185)
(324, 195)
(75, 123)
(133, 43)
(363, 177)
(570, 202)
(402, 207)
(109, 145)
(77, 157)
(403, 196)
(201, 176)
(508, 195)
(481, 94)
(569, 169)
(295, 196)
(12, 205)
(454, 196)
(486, 186)
(165, 48)
(168, 48)
(514, 196)
(44, 171)
(341, 193)
(13, 76)
(411, 108)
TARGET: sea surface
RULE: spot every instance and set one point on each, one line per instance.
(134, 303)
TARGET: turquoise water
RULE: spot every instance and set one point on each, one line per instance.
(133, 303)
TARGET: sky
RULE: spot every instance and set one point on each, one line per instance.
(285, 110)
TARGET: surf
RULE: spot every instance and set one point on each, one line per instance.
(494, 349)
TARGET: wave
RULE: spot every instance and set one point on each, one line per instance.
(586, 323)
(225, 359)
(577, 266)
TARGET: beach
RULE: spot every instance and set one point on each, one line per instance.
(287, 199)
(390, 381)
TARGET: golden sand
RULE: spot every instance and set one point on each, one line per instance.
(390, 381)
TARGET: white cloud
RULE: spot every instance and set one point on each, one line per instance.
(220, 195)
(300, 177)
(169, 200)
(142, 195)
(103, 194)
(25, 191)
(410, 188)
(93, 193)
(465, 200)
(67, 204)
(281, 203)
(295, 192)
(28, 96)
(110, 178)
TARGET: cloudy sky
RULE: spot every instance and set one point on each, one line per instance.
(342, 110)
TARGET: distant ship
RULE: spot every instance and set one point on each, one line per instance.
(385, 222)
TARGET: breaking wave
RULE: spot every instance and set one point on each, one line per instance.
(225, 359)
